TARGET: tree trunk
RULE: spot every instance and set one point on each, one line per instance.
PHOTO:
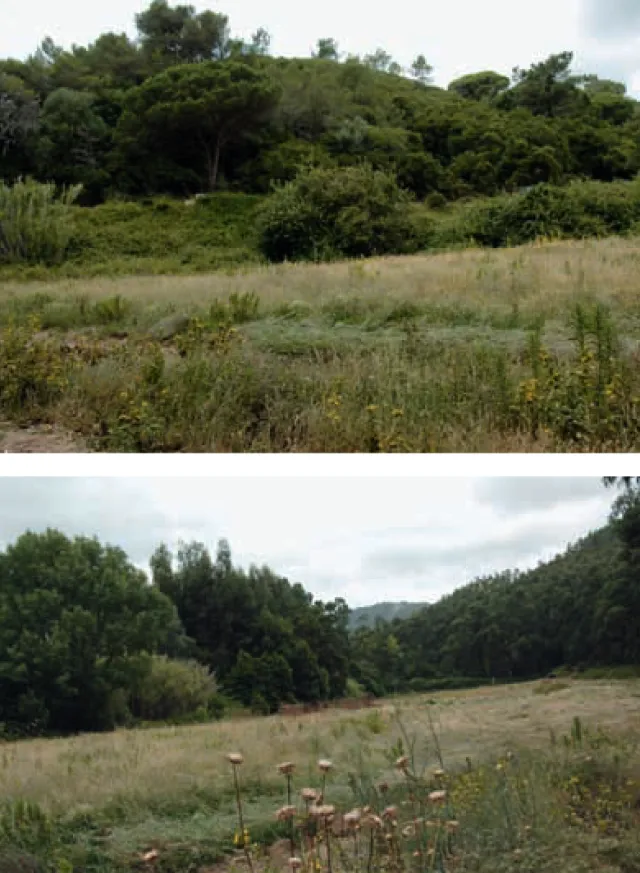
(213, 161)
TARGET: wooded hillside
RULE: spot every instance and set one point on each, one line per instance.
(185, 108)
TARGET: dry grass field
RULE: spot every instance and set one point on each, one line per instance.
(89, 771)
(532, 349)
(539, 776)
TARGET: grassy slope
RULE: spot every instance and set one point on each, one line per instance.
(120, 794)
(154, 237)
(417, 353)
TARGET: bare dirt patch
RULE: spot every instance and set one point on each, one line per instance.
(37, 439)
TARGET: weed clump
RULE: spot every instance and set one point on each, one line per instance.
(35, 225)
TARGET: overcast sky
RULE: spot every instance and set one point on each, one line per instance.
(457, 36)
(366, 540)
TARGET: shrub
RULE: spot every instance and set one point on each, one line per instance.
(550, 687)
(435, 200)
(444, 683)
(544, 211)
(173, 689)
(35, 227)
(349, 212)
(582, 209)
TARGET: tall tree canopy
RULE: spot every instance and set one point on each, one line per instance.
(482, 135)
(209, 105)
(241, 621)
(74, 617)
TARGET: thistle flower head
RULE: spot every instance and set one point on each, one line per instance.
(352, 819)
(286, 767)
(295, 863)
(235, 758)
(402, 763)
(452, 826)
(325, 765)
(439, 773)
(309, 794)
(323, 811)
(437, 796)
(285, 813)
(383, 787)
(391, 812)
(372, 821)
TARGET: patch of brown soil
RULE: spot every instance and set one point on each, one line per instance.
(41, 438)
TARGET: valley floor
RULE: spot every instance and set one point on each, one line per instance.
(539, 776)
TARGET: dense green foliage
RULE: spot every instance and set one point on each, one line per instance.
(267, 640)
(153, 116)
(353, 212)
(87, 643)
(76, 618)
(172, 689)
(35, 226)
(369, 215)
(581, 209)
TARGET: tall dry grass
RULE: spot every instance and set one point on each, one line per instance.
(88, 771)
(530, 349)
(540, 278)
(499, 778)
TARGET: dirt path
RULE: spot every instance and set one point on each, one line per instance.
(38, 439)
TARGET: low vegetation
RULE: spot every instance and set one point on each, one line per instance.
(528, 349)
(476, 781)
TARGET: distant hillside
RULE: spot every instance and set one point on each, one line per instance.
(366, 616)
(579, 609)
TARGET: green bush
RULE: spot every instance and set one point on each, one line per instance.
(35, 226)
(326, 213)
(435, 200)
(173, 689)
(581, 209)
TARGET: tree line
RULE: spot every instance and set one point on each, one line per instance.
(185, 107)
(88, 641)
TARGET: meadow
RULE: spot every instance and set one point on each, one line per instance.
(536, 776)
(482, 350)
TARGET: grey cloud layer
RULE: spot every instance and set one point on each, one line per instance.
(446, 536)
(111, 509)
(520, 494)
(607, 19)
(468, 559)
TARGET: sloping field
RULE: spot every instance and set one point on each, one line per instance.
(111, 798)
(531, 349)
